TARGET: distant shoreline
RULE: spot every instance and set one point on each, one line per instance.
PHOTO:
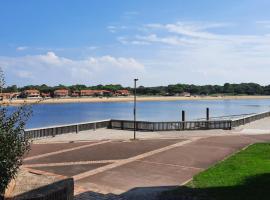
(122, 99)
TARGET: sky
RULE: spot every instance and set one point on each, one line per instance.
(160, 42)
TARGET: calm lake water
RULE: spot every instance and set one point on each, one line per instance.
(55, 114)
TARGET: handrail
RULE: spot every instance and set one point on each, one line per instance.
(68, 128)
(143, 125)
(64, 125)
(224, 116)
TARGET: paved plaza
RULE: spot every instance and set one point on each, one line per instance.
(106, 164)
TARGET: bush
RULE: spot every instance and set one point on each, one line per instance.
(13, 143)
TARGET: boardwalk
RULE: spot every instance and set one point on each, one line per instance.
(117, 168)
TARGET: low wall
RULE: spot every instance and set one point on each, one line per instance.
(68, 128)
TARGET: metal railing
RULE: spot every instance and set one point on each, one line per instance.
(68, 128)
(143, 125)
(227, 117)
(250, 118)
(170, 126)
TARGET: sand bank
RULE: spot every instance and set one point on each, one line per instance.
(124, 99)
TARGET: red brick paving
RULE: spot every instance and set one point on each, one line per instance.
(38, 149)
(199, 156)
(70, 170)
(140, 174)
(108, 151)
(168, 168)
(263, 137)
(234, 142)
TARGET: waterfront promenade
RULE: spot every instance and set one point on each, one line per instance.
(106, 164)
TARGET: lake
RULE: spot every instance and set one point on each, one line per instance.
(56, 114)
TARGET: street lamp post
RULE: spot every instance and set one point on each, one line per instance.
(134, 111)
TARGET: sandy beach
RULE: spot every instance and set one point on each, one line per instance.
(122, 99)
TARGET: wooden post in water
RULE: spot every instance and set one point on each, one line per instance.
(183, 116)
(183, 119)
(134, 110)
(207, 118)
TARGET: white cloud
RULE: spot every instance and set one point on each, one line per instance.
(264, 23)
(24, 74)
(22, 48)
(202, 31)
(203, 53)
(92, 48)
(114, 29)
(52, 69)
(129, 15)
(170, 40)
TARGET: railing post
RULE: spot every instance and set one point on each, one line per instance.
(77, 128)
(183, 125)
(207, 118)
(207, 114)
(109, 124)
(54, 132)
(95, 126)
(122, 125)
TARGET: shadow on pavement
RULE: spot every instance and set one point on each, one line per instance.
(59, 190)
(253, 188)
(144, 193)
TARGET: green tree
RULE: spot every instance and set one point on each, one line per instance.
(228, 88)
(13, 143)
(12, 88)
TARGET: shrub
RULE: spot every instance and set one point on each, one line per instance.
(13, 143)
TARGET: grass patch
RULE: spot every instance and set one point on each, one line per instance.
(243, 176)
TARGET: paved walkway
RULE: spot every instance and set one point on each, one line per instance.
(122, 169)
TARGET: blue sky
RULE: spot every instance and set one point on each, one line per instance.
(112, 41)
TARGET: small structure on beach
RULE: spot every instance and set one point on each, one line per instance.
(32, 93)
(45, 95)
(61, 93)
(185, 94)
(85, 93)
(122, 93)
(75, 93)
(9, 95)
(105, 93)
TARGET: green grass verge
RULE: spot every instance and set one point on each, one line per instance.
(243, 176)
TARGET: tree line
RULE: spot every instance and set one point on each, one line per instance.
(174, 89)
